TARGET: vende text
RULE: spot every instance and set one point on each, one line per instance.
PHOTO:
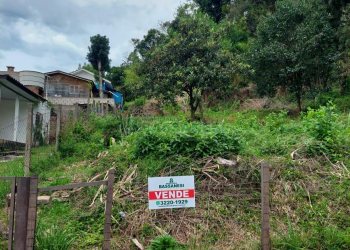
(171, 194)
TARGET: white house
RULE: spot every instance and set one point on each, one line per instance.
(14, 103)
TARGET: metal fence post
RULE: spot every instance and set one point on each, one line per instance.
(265, 207)
(107, 231)
(28, 147)
(58, 125)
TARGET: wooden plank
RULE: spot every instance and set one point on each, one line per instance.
(72, 186)
(21, 217)
(12, 212)
(32, 213)
(265, 207)
(28, 147)
(58, 125)
(107, 231)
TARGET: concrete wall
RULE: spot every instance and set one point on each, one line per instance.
(7, 119)
(11, 129)
(16, 130)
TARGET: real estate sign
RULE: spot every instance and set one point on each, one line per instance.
(171, 192)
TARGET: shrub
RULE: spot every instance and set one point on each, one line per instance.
(324, 127)
(139, 102)
(88, 138)
(165, 242)
(186, 139)
(115, 126)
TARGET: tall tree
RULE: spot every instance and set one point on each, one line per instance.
(294, 48)
(344, 50)
(251, 11)
(152, 39)
(190, 61)
(336, 8)
(214, 8)
(98, 56)
(117, 76)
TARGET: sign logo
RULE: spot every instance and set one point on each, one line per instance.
(171, 192)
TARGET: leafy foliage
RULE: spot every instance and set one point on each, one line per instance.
(343, 63)
(99, 52)
(214, 8)
(165, 242)
(117, 76)
(190, 61)
(294, 48)
(186, 139)
(322, 124)
(88, 139)
(98, 56)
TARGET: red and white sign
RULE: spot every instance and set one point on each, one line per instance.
(171, 192)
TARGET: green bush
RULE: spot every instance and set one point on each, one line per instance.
(139, 102)
(326, 131)
(88, 138)
(165, 242)
(186, 139)
(115, 126)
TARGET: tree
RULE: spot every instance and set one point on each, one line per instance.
(214, 8)
(153, 39)
(336, 8)
(344, 50)
(117, 76)
(190, 61)
(98, 56)
(294, 48)
(251, 11)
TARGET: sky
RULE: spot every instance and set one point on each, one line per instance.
(47, 35)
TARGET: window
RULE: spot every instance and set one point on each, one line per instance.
(74, 90)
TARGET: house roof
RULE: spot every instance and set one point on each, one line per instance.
(88, 72)
(67, 74)
(15, 86)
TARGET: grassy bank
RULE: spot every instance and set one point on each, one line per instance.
(310, 179)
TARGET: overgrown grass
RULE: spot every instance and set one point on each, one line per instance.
(171, 144)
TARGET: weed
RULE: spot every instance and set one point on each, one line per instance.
(324, 127)
(53, 238)
(165, 242)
